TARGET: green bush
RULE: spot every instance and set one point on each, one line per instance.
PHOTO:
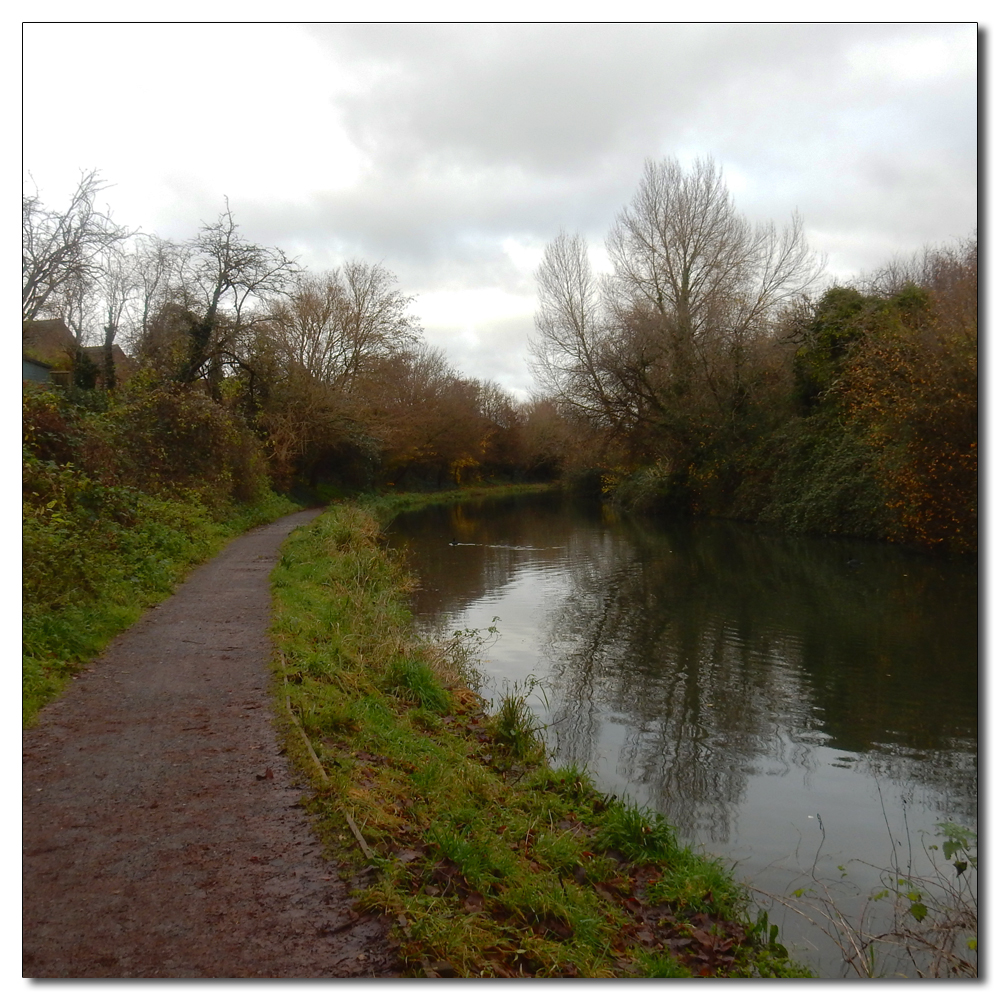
(175, 439)
(814, 476)
(106, 532)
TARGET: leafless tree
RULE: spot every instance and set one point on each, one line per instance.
(672, 333)
(59, 248)
(683, 255)
(120, 287)
(156, 263)
(222, 276)
(570, 344)
(335, 325)
(94, 307)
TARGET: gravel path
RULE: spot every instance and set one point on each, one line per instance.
(163, 836)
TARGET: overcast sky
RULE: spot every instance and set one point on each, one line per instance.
(453, 153)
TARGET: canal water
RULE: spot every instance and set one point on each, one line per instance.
(806, 708)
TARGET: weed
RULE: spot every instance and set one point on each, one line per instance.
(414, 679)
(931, 929)
(514, 726)
(638, 834)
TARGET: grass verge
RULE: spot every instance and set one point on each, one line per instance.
(91, 569)
(489, 862)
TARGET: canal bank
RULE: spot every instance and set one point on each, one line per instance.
(488, 861)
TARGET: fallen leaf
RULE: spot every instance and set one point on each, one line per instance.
(703, 938)
(558, 928)
(607, 891)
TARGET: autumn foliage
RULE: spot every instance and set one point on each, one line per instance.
(909, 387)
(709, 374)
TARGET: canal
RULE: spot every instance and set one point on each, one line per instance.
(806, 708)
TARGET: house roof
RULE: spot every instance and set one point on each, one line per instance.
(124, 365)
(48, 340)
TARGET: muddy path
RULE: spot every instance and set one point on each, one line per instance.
(162, 831)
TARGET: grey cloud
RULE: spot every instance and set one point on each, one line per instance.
(479, 130)
(477, 133)
(469, 135)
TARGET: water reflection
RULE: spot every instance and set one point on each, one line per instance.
(741, 683)
(709, 643)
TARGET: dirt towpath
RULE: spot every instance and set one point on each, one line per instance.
(156, 842)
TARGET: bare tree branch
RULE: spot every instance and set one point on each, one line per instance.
(61, 247)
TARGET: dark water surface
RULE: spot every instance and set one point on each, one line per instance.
(803, 707)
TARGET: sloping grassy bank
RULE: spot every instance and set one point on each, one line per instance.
(490, 862)
(95, 557)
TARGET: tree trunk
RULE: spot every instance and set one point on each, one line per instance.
(110, 378)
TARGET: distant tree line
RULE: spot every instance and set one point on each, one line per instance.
(711, 373)
(329, 371)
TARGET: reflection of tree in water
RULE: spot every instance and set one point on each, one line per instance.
(695, 693)
(496, 539)
(942, 780)
(705, 673)
(712, 651)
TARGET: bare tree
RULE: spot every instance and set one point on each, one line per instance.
(335, 325)
(120, 285)
(571, 332)
(375, 320)
(76, 304)
(117, 295)
(223, 275)
(63, 247)
(667, 342)
(684, 256)
(157, 264)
